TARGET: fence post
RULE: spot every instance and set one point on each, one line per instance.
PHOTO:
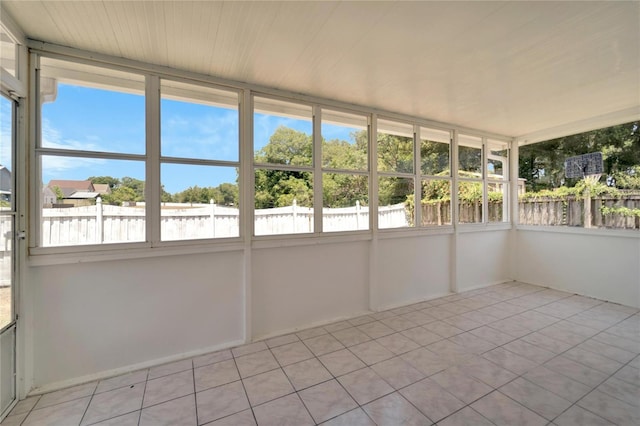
(213, 217)
(587, 208)
(99, 227)
(294, 211)
(357, 214)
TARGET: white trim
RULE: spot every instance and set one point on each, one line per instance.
(297, 240)
(11, 85)
(465, 228)
(585, 125)
(11, 26)
(121, 253)
(591, 232)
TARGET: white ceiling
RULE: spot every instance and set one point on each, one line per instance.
(512, 68)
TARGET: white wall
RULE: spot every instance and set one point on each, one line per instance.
(482, 258)
(295, 287)
(603, 266)
(412, 269)
(94, 317)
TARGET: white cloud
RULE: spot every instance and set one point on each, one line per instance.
(52, 165)
(53, 138)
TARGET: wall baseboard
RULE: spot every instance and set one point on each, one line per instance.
(50, 387)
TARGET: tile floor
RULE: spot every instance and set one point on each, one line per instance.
(510, 354)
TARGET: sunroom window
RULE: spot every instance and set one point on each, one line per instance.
(91, 153)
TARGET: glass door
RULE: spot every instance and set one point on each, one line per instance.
(7, 255)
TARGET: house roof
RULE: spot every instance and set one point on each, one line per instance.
(68, 187)
(516, 68)
(83, 195)
(102, 188)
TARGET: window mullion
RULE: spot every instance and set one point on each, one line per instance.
(152, 184)
(455, 198)
(417, 171)
(373, 177)
(485, 187)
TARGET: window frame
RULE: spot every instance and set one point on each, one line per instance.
(40, 151)
(246, 164)
(283, 167)
(427, 177)
(350, 172)
(162, 159)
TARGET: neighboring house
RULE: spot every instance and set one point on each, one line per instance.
(69, 187)
(75, 192)
(102, 188)
(5, 184)
(48, 197)
(82, 198)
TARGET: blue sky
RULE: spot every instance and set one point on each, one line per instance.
(5, 132)
(98, 120)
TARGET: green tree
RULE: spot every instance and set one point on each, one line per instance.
(542, 164)
(277, 188)
(58, 192)
(226, 194)
(120, 195)
(136, 185)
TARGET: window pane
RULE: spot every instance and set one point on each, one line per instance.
(8, 52)
(434, 152)
(199, 202)
(89, 108)
(395, 147)
(470, 201)
(436, 202)
(283, 202)
(608, 200)
(497, 160)
(199, 122)
(345, 202)
(395, 196)
(282, 133)
(6, 154)
(91, 201)
(469, 156)
(498, 196)
(344, 141)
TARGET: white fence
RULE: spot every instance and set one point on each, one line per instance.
(109, 224)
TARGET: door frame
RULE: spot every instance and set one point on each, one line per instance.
(12, 326)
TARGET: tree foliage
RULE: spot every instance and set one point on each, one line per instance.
(542, 164)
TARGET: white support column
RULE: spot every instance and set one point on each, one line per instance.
(374, 302)
(453, 265)
(152, 181)
(317, 170)
(246, 219)
(514, 209)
